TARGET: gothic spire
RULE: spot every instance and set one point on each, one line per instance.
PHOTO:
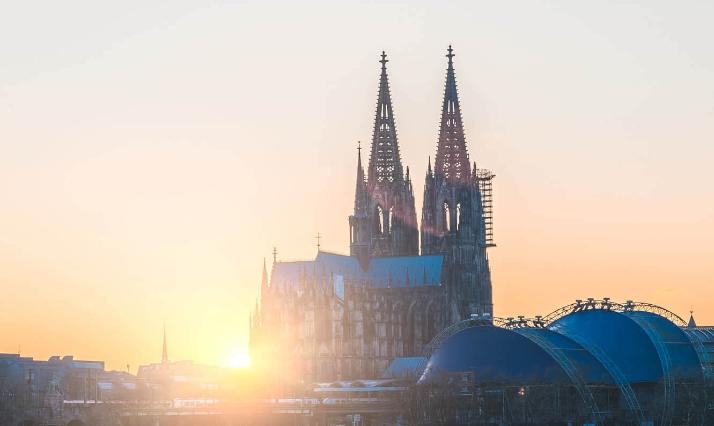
(385, 164)
(165, 353)
(264, 281)
(452, 157)
(361, 196)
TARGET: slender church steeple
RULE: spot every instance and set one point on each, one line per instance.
(359, 221)
(264, 281)
(165, 352)
(384, 222)
(361, 196)
(453, 213)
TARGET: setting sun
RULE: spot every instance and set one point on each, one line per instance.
(238, 360)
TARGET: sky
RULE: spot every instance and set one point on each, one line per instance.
(153, 153)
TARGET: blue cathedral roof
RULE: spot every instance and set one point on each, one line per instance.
(393, 271)
(382, 272)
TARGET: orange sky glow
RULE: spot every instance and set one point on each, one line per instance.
(152, 155)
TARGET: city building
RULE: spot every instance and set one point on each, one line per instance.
(348, 316)
(36, 389)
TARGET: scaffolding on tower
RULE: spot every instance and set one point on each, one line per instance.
(485, 180)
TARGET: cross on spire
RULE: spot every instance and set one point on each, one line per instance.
(275, 254)
(318, 237)
(384, 61)
(450, 55)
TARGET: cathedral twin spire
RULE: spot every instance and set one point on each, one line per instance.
(385, 163)
(454, 212)
(384, 220)
(452, 157)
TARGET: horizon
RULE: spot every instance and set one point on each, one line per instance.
(149, 169)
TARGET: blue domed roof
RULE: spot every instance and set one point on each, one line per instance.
(494, 354)
(569, 354)
(678, 355)
(616, 340)
(598, 344)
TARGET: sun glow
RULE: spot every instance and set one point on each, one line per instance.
(238, 360)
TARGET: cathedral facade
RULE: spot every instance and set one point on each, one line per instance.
(341, 317)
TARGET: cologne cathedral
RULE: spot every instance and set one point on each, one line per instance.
(341, 317)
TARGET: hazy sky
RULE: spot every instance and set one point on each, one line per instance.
(152, 153)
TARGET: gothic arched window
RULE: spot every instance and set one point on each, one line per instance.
(378, 220)
(458, 216)
(446, 217)
(391, 219)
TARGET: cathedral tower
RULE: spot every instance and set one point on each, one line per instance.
(384, 219)
(454, 221)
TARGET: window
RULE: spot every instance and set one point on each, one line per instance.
(391, 219)
(458, 216)
(446, 217)
(378, 220)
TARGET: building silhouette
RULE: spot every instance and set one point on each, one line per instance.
(339, 316)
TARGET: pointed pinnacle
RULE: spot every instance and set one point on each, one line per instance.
(385, 164)
(264, 281)
(165, 352)
(451, 153)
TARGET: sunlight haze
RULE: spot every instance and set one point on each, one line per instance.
(152, 154)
